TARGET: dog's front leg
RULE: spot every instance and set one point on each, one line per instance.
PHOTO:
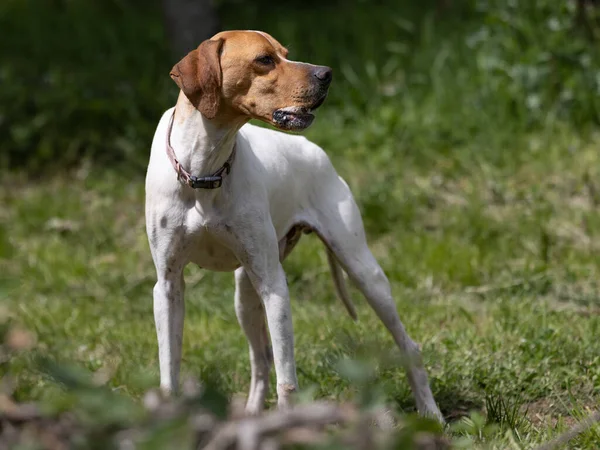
(273, 291)
(259, 255)
(251, 316)
(169, 311)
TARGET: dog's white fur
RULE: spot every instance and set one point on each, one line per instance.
(279, 182)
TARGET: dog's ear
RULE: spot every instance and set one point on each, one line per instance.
(198, 75)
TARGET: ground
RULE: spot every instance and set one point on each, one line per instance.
(493, 262)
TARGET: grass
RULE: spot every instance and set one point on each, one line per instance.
(494, 271)
(471, 145)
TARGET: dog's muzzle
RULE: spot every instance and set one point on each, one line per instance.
(296, 118)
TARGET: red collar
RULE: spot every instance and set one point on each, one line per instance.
(210, 182)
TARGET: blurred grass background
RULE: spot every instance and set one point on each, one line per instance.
(469, 135)
(89, 79)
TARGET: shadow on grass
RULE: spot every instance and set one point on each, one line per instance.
(453, 402)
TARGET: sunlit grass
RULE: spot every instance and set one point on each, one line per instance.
(494, 273)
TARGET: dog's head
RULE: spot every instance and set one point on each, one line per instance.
(245, 74)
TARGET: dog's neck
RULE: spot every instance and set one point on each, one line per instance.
(201, 145)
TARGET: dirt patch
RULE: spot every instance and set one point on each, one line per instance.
(546, 412)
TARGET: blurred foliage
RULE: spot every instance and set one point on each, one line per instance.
(79, 79)
(89, 415)
(90, 79)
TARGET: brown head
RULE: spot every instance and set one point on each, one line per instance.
(246, 74)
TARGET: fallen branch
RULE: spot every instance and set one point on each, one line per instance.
(579, 428)
(248, 432)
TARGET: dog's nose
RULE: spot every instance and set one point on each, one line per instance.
(324, 74)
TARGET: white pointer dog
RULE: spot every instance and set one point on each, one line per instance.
(228, 196)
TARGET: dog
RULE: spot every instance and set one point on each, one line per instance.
(260, 190)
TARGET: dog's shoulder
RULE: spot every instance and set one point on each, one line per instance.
(292, 147)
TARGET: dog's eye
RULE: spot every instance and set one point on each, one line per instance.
(265, 60)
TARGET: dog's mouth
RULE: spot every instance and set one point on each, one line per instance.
(295, 118)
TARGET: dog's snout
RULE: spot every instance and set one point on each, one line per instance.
(323, 74)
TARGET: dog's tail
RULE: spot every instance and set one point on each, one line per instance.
(340, 284)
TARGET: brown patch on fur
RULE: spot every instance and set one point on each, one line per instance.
(290, 241)
(184, 109)
(223, 79)
(289, 388)
(198, 75)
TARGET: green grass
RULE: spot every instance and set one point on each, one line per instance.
(469, 140)
(494, 270)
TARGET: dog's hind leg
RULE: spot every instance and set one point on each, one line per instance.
(251, 316)
(342, 230)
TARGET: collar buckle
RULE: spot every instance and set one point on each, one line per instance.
(205, 182)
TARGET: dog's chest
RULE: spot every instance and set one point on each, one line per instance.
(208, 251)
